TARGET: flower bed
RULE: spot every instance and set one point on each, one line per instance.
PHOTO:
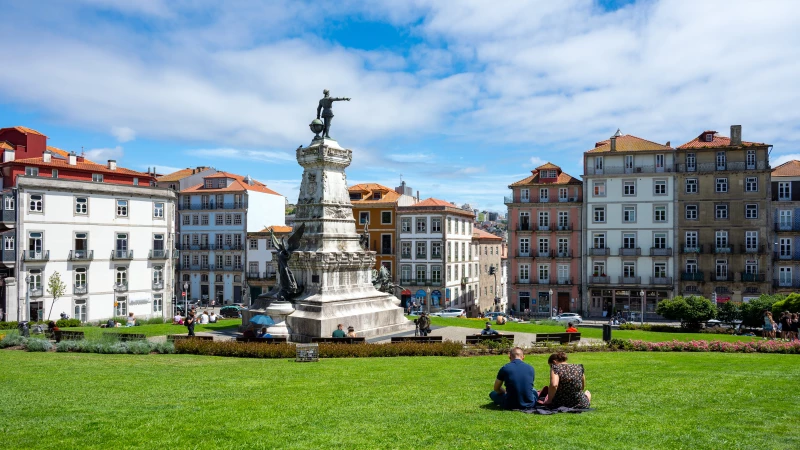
(260, 350)
(708, 346)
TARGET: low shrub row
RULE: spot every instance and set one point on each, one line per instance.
(259, 350)
(65, 323)
(708, 346)
(115, 347)
(653, 327)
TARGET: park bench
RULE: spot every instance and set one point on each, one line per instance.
(183, 337)
(563, 338)
(477, 338)
(344, 340)
(125, 336)
(69, 336)
(269, 340)
(420, 339)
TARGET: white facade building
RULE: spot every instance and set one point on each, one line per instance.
(629, 225)
(261, 270)
(111, 245)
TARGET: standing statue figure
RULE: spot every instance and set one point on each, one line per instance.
(326, 107)
(287, 287)
(363, 238)
(382, 280)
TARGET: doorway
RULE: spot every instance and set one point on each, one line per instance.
(563, 302)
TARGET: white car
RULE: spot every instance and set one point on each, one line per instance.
(449, 312)
(568, 317)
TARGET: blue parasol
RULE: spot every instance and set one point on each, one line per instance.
(262, 320)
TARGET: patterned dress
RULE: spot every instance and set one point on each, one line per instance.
(570, 383)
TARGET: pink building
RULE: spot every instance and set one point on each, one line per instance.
(544, 226)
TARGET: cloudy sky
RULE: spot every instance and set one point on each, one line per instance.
(459, 98)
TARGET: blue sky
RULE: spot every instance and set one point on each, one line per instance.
(459, 98)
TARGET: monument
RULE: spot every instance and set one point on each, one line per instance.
(325, 276)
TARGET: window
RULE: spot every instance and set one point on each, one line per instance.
(121, 306)
(629, 214)
(721, 161)
(228, 240)
(691, 185)
(544, 220)
(524, 273)
(691, 162)
(8, 242)
(195, 219)
(660, 214)
(751, 159)
(785, 247)
(81, 205)
(436, 249)
(422, 273)
(36, 279)
(122, 208)
(722, 269)
(544, 195)
(751, 241)
(237, 263)
(185, 219)
(228, 260)
(525, 195)
(691, 266)
(422, 250)
(363, 217)
(628, 269)
(784, 190)
(721, 239)
(785, 276)
(35, 245)
(218, 219)
(660, 187)
(158, 210)
(628, 188)
(524, 247)
(599, 269)
(544, 246)
(563, 194)
(629, 240)
(355, 196)
(121, 276)
(158, 303)
(405, 225)
(228, 219)
(9, 203)
(659, 163)
(80, 277)
(203, 219)
(81, 245)
(722, 185)
(751, 211)
(721, 211)
(121, 245)
(209, 184)
(785, 219)
(598, 164)
(54, 173)
(563, 273)
(691, 239)
(599, 240)
(405, 249)
(628, 163)
(386, 217)
(599, 189)
(135, 181)
(253, 245)
(544, 273)
(751, 184)
(37, 203)
(691, 212)
(237, 219)
(660, 240)
(220, 262)
(158, 275)
(599, 214)
(436, 274)
(563, 247)
(32, 171)
(422, 225)
(563, 220)
(97, 177)
(80, 310)
(660, 270)
(436, 225)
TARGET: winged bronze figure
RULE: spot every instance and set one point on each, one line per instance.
(287, 287)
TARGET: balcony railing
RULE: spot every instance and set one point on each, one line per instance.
(420, 282)
(33, 255)
(566, 254)
(661, 280)
(121, 287)
(753, 277)
(785, 227)
(692, 276)
(521, 254)
(547, 254)
(782, 256)
(543, 228)
(405, 256)
(655, 251)
(599, 280)
(121, 254)
(727, 166)
(81, 255)
(158, 285)
(629, 280)
(522, 280)
(757, 250)
(636, 251)
(36, 291)
(158, 254)
(715, 277)
(598, 252)
(386, 251)
(563, 227)
(564, 281)
(211, 205)
(723, 249)
(79, 289)
(785, 284)
(436, 256)
(524, 227)
(695, 249)
(620, 170)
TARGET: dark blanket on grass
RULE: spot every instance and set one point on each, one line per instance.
(539, 409)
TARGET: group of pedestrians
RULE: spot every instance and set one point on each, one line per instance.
(786, 325)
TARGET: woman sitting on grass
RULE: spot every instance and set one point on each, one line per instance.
(567, 384)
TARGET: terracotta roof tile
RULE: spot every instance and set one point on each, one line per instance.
(180, 174)
(223, 175)
(716, 141)
(389, 196)
(25, 130)
(238, 185)
(277, 229)
(477, 233)
(6, 145)
(434, 202)
(629, 143)
(548, 165)
(563, 178)
(86, 165)
(787, 169)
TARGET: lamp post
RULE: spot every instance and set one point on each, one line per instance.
(429, 300)
(28, 297)
(186, 299)
(551, 301)
(642, 293)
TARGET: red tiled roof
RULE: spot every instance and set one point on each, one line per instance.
(629, 143)
(787, 169)
(389, 196)
(181, 174)
(548, 165)
(86, 165)
(434, 202)
(24, 130)
(277, 229)
(477, 233)
(716, 141)
(6, 145)
(238, 185)
(563, 178)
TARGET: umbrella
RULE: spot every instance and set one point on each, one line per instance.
(262, 320)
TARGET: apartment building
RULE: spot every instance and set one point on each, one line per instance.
(629, 226)
(428, 230)
(375, 206)
(785, 187)
(261, 268)
(545, 213)
(489, 248)
(724, 218)
(184, 178)
(109, 243)
(215, 217)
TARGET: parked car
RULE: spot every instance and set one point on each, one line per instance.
(568, 317)
(230, 311)
(449, 312)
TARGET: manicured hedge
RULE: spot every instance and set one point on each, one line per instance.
(708, 346)
(260, 350)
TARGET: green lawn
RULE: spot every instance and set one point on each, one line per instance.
(642, 400)
(651, 336)
(161, 329)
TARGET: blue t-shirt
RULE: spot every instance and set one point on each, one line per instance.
(518, 378)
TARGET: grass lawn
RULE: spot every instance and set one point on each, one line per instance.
(651, 336)
(642, 400)
(160, 329)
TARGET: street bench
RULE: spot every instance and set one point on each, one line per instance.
(125, 336)
(183, 337)
(419, 339)
(344, 340)
(69, 336)
(563, 338)
(477, 338)
(269, 340)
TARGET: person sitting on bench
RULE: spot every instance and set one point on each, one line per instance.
(488, 331)
(264, 333)
(338, 332)
(571, 328)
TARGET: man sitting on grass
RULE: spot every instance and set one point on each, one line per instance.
(571, 328)
(518, 378)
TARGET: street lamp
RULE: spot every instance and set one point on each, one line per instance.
(429, 300)
(551, 301)
(642, 293)
(28, 296)
(186, 299)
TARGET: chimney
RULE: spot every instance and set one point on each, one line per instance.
(613, 143)
(8, 155)
(112, 164)
(667, 144)
(417, 196)
(46, 157)
(736, 135)
(73, 159)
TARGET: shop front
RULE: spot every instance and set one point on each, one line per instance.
(626, 303)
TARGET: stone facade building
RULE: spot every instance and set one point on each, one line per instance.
(489, 249)
(724, 217)
(786, 227)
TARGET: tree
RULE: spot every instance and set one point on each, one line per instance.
(790, 303)
(728, 313)
(753, 311)
(691, 311)
(56, 288)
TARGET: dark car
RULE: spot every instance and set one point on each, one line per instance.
(230, 311)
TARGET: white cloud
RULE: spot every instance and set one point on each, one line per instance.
(780, 159)
(536, 161)
(163, 170)
(250, 155)
(100, 155)
(123, 134)
(411, 157)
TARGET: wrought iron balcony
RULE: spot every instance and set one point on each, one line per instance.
(521, 254)
(79, 289)
(779, 227)
(757, 250)
(782, 256)
(81, 255)
(566, 254)
(723, 249)
(121, 287)
(598, 251)
(121, 254)
(408, 256)
(33, 255)
(547, 254)
(543, 228)
(36, 291)
(655, 251)
(524, 227)
(785, 284)
(694, 249)
(599, 280)
(564, 281)
(159, 254)
(629, 280)
(661, 280)
(715, 277)
(158, 285)
(635, 251)
(692, 276)
(753, 277)
(565, 227)
(620, 170)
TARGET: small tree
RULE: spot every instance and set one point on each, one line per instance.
(691, 311)
(753, 311)
(791, 303)
(56, 288)
(728, 313)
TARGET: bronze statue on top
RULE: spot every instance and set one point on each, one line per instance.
(326, 107)
(287, 287)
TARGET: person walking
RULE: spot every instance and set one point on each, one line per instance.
(190, 323)
(424, 324)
